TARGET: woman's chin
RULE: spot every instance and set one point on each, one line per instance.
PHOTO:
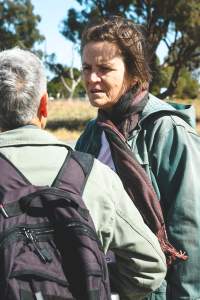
(100, 102)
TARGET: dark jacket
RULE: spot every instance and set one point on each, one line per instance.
(168, 148)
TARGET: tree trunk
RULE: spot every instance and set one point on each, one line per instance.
(172, 85)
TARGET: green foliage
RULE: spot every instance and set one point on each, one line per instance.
(75, 21)
(187, 87)
(80, 91)
(55, 88)
(175, 22)
(161, 77)
(18, 24)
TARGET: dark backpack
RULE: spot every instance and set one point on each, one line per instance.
(49, 249)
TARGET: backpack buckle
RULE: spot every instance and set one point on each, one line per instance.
(3, 211)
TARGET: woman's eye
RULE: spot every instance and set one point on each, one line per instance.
(104, 68)
(86, 68)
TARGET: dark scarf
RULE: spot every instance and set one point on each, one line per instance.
(118, 124)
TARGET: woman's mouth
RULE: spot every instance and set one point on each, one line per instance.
(96, 91)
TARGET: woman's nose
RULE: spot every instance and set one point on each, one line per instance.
(94, 77)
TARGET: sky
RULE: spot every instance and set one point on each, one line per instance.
(52, 13)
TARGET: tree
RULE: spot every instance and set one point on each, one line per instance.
(56, 89)
(18, 24)
(175, 22)
(188, 87)
(67, 81)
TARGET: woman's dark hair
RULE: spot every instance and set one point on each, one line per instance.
(130, 38)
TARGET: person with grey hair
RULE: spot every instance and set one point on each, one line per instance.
(22, 84)
(39, 156)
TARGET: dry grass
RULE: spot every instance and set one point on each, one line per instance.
(70, 110)
(68, 118)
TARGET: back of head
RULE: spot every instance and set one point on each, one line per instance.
(131, 40)
(22, 84)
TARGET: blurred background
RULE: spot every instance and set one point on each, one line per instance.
(52, 29)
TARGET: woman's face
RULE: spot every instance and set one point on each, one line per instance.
(104, 73)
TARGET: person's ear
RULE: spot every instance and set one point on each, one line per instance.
(43, 109)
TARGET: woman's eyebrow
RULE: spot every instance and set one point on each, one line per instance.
(85, 64)
(105, 63)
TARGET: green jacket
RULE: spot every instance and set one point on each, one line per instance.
(141, 263)
(168, 148)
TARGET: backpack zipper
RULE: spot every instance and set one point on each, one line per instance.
(32, 237)
(30, 234)
(86, 229)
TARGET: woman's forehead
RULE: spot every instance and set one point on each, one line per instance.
(100, 51)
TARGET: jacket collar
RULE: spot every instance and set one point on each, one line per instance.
(27, 135)
(155, 105)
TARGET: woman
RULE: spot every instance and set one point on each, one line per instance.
(135, 131)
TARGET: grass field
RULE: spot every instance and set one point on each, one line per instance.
(67, 118)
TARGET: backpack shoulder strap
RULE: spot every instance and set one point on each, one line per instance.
(10, 174)
(11, 179)
(74, 173)
(72, 177)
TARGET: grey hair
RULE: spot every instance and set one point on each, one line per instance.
(22, 84)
